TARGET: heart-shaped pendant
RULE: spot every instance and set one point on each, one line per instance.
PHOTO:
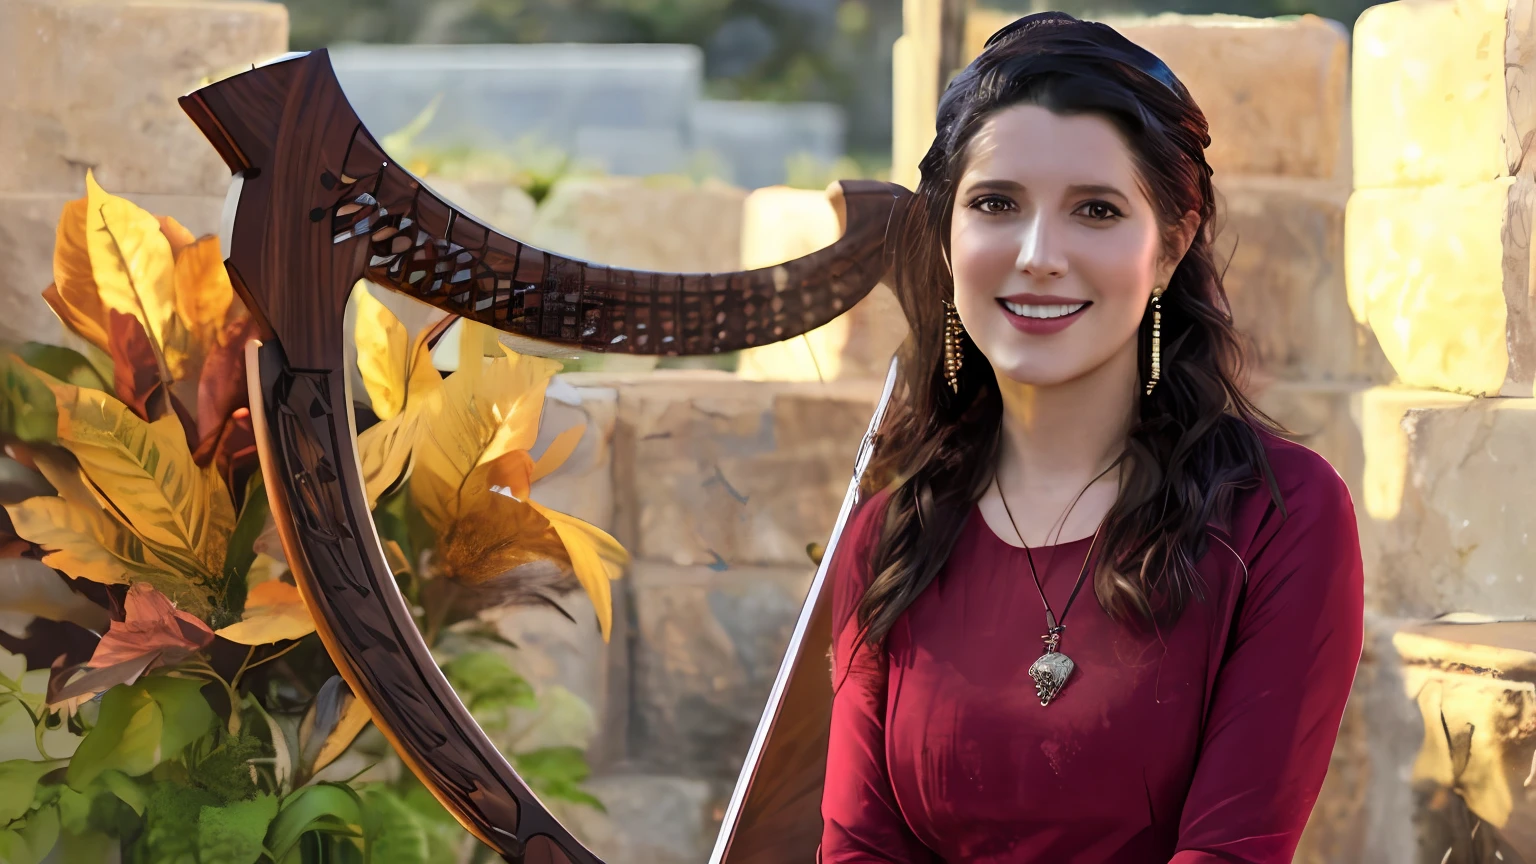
(1050, 673)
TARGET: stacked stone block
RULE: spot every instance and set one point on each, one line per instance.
(93, 85)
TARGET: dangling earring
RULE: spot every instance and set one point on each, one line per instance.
(1157, 338)
(954, 331)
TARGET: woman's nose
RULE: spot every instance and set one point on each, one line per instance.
(1040, 256)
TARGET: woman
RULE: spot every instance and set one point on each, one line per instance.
(1099, 611)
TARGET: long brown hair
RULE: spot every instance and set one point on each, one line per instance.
(1196, 441)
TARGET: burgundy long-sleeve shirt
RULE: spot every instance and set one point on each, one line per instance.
(1205, 742)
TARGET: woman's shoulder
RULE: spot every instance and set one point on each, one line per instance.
(1312, 495)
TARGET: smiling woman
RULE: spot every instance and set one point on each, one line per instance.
(1069, 413)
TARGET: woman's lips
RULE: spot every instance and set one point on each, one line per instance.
(1042, 326)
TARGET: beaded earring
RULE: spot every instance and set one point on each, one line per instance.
(1157, 338)
(954, 331)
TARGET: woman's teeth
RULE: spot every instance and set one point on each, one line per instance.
(1042, 311)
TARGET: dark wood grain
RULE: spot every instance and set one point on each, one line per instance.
(320, 206)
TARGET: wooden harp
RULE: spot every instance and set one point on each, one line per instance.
(317, 204)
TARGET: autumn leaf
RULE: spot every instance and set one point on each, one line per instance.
(274, 612)
(176, 234)
(334, 719)
(131, 262)
(221, 387)
(182, 513)
(471, 423)
(153, 633)
(203, 291)
(558, 451)
(594, 556)
(135, 371)
(400, 381)
(80, 539)
(73, 295)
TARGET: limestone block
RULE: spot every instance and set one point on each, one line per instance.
(1442, 274)
(1364, 811)
(649, 819)
(1273, 90)
(1444, 91)
(1451, 489)
(1325, 418)
(1473, 684)
(89, 84)
(708, 644)
(647, 223)
(1283, 243)
(713, 470)
(780, 224)
(28, 224)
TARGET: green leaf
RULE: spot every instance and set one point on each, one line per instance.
(62, 363)
(28, 841)
(187, 714)
(27, 408)
(126, 737)
(18, 785)
(140, 726)
(394, 832)
(557, 772)
(486, 682)
(242, 549)
(322, 807)
(233, 833)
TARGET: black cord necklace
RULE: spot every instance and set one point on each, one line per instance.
(1051, 671)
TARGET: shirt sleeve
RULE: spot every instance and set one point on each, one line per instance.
(1280, 693)
(861, 821)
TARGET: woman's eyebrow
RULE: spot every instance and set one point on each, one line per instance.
(1015, 187)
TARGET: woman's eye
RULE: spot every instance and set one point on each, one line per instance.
(1099, 211)
(992, 204)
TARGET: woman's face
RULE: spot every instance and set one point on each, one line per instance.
(1054, 246)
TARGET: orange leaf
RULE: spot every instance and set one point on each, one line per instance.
(557, 452)
(74, 279)
(179, 237)
(151, 623)
(221, 387)
(274, 612)
(87, 329)
(203, 292)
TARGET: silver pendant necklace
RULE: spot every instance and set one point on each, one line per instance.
(1051, 671)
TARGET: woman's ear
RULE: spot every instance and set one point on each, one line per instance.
(1179, 240)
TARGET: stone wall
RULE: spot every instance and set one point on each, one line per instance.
(94, 86)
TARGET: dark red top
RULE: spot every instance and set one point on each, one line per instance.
(1206, 742)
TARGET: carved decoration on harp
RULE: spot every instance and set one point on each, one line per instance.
(318, 205)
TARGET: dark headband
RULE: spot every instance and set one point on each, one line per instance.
(1130, 53)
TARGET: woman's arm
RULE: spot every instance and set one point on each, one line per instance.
(861, 821)
(1281, 691)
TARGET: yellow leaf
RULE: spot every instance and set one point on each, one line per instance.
(493, 533)
(131, 260)
(79, 305)
(203, 291)
(381, 340)
(476, 342)
(557, 452)
(85, 541)
(354, 717)
(274, 612)
(384, 449)
(176, 234)
(68, 538)
(182, 512)
(595, 557)
(472, 421)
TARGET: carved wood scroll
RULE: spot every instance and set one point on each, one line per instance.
(320, 205)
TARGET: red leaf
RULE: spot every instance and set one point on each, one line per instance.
(135, 369)
(151, 623)
(221, 388)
